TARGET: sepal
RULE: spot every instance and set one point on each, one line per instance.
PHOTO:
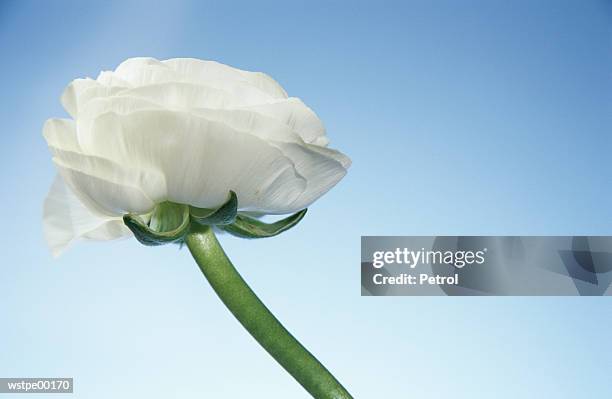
(168, 223)
(225, 214)
(246, 227)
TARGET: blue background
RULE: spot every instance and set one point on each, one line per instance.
(489, 117)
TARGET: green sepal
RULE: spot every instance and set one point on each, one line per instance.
(247, 227)
(169, 223)
(225, 214)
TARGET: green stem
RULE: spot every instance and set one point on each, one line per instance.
(257, 319)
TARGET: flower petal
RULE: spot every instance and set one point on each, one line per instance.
(292, 116)
(202, 160)
(245, 87)
(103, 105)
(72, 92)
(250, 122)
(286, 124)
(200, 71)
(182, 95)
(185, 94)
(61, 133)
(106, 197)
(104, 185)
(331, 153)
(80, 91)
(66, 219)
(295, 114)
(110, 79)
(320, 170)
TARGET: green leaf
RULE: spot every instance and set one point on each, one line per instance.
(169, 223)
(225, 214)
(247, 227)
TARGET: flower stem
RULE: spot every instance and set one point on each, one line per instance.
(257, 319)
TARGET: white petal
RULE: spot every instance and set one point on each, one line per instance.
(80, 91)
(174, 92)
(132, 66)
(285, 120)
(107, 197)
(250, 122)
(201, 71)
(61, 133)
(182, 95)
(321, 170)
(295, 114)
(296, 118)
(99, 106)
(66, 219)
(110, 79)
(245, 88)
(289, 121)
(202, 160)
(94, 92)
(110, 188)
(145, 71)
(112, 229)
(72, 92)
(331, 153)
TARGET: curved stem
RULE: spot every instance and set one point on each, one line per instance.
(257, 319)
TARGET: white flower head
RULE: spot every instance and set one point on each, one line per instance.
(184, 131)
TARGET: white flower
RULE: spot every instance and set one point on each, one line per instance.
(181, 130)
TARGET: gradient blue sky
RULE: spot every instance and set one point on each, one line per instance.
(475, 117)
